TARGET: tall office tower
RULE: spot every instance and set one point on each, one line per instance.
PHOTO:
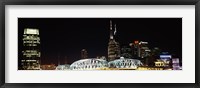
(140, 49)
(31, 49)
(113, 46)
(135, 49)
(144, 49)
(84, 54)
(126, 52)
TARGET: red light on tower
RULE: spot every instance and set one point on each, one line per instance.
(136, 42)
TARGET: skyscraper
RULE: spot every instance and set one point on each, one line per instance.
(144, 49)
(140, 49)
(113, 46)
(135, 49)
(31, 49)
(84, 54)
(126, 52)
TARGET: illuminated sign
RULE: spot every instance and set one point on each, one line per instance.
(165, 56)
(159, 64)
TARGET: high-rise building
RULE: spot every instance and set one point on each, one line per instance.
(31, 49)
(113, 46)
(135, 49)
(144, 49)
(140, 49)
(84, 54)
(126, 52)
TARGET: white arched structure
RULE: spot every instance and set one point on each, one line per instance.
(89, 64)
(125, 63)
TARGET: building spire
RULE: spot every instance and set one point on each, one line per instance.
(111, 31)
(115, 30)
(110, 24)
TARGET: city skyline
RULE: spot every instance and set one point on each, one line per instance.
(64, 38)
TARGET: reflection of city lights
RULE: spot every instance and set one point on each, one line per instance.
(149, 68)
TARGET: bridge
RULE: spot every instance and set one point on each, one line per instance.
(100, 64)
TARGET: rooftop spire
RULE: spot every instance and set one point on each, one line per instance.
(115, 30)
(111, 31)
(110, 24)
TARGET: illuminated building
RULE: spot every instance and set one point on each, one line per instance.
(144, 49)
(126, 52)
(84, 54)
(166, 58)
(155, 53)
(140, 49)
(113, 46)
(164, 61)
(135, 49)
(175, 64)
(160, 63)
(31, 49)
(48, 67)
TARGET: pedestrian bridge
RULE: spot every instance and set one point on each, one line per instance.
(99, 64)
(89, 64)
(125, 63)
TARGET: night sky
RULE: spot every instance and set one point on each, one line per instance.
(64, 38)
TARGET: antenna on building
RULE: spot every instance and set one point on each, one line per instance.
(110, 24)
(115, 30)
(111, 31)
